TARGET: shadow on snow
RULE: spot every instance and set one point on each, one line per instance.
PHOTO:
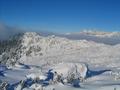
(91, 73)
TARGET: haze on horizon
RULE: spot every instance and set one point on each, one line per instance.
(61, 16)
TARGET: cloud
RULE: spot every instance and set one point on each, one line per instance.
(8, 31)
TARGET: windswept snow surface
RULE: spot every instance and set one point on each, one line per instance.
(98, 64)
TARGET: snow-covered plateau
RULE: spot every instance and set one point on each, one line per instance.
(30, 61)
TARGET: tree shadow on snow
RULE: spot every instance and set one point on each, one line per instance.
(50, 75)
(24, 66)
(2, 74)
(3, 68)
(91, 73)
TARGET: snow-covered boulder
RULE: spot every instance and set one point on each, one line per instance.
(34, 76)
(76, 70)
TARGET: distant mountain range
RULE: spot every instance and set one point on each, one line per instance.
(110, 38)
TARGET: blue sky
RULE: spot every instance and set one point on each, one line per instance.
(61, 15)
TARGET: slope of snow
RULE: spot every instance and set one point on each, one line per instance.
(40, 54)
(52, 49)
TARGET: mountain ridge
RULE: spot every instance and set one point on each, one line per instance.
(32, 45)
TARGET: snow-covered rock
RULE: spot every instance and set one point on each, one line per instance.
(19, 86)
(34, 76)
(36, 87)
(68, 69)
